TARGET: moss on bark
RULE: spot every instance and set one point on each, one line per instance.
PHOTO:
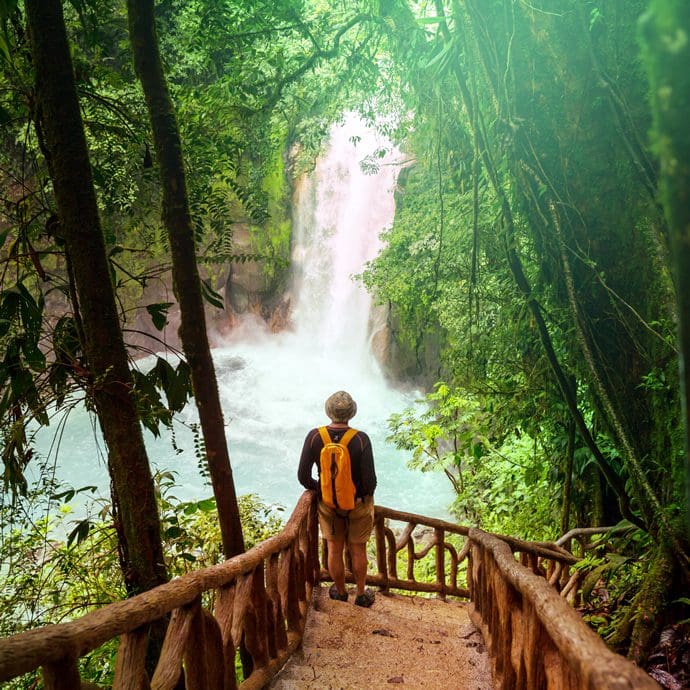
(650, 605)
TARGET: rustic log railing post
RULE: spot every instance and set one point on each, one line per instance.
(305, 550)
(213, 653)
(259, 630)
(293, 599)
(392, 553)
(169, 666)
(224, 605)
(63, 675)
(440, 562)
(130, 663)
(501, 624)
(410, 555)
(299, 567)
(381, 563)
(313, 533)
(277, 639)
(195, 651)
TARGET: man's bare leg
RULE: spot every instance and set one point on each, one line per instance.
(358, 553)
(336, 566)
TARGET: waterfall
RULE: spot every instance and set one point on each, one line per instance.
(339, 213)
(273, 386)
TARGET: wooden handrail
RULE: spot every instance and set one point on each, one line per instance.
(390, 548)
(245, 608)
(535, 639)
(547, 559)
(592, 531)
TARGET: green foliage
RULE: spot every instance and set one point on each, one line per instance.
(174, 382)
(533, 171)
(159, 314)
(55, 565)
(503, 483)
(23, 372)
(666, 46)
(59, 558)
(190, 529)
(446, 435)
(615, 569)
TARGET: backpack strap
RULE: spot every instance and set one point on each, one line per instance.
(348, 436)
(325, 436)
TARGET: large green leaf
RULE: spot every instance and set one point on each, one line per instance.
(159, 314)
(211, 296)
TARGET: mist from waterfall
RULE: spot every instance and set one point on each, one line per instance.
(273, 386)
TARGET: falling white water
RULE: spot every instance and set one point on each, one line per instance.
(339, 215)
(272, 386)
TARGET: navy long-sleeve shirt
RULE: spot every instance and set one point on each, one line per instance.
(361, 460)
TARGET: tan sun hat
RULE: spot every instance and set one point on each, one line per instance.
(340, 407)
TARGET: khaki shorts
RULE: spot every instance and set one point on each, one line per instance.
(355, 528)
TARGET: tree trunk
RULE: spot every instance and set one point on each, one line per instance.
(597, 510)
(645, 618)
(58, 112)
(186, 282)
(568, 480)
(666, 29)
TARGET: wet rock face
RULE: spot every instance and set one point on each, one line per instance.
(140, 332)
(251, 289)
(398, 359)
(243, 290)
(277, 313)
(247, 283)
(243, 297)
(380, 338)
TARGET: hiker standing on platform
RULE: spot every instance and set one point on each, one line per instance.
(346, 484)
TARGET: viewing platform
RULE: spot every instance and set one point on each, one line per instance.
(501, 619)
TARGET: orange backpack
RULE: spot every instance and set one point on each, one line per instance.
(335, 472)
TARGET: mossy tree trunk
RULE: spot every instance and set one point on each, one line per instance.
(58, 115)
(186, 281)
(666, 32)
(645, 619)
(568, 478)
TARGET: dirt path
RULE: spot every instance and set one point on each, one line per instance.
(401, 641)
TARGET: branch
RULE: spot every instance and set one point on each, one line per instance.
(315, 57)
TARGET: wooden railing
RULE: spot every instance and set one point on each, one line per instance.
(536, 640)
(400, 547)
(261, 599)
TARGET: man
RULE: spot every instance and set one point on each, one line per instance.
(339, 526)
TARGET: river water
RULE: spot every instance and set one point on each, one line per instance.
(273, 386)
